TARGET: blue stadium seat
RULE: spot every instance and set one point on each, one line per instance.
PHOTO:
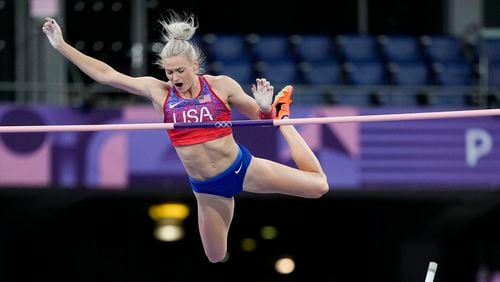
(242, 71)
(366, 73)
(271, 48)
(494, 77)
(227, 47)
(410, 73)
(443, 49)
(280, 73)
(357, 48)
(313, 47)
(492, 49)
(400, 48)
(322, 73)
(453, 73)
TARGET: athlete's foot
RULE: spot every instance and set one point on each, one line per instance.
(282, 102)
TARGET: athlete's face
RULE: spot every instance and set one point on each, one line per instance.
(181, 72)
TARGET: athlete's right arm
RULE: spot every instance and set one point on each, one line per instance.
(98, 70)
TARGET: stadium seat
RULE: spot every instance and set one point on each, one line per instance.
(410, 73)
(494, 75)
(242, 70)
(453, 73)
(226, 47)
(492, 49)
(366, 73)
(400, 48)
(313, 47)
(357, 48)
(271, 48)
(443, 49)
(322, 73)
(279, 73)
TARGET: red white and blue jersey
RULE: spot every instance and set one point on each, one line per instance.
(206, 106)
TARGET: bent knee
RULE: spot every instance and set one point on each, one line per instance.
(215, 258)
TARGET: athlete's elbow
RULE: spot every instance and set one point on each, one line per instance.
(322, 187)
(104, 78)
(105, 75)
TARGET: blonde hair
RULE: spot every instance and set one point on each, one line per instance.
(177, 31)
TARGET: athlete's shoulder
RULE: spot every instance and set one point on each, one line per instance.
(221, 85)
(160, 92)
(152, 84)
(220, 81)
(168, 85)
(152, 81)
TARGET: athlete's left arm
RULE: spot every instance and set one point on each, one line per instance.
(253, 108)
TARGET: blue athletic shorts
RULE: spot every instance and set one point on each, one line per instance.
(230, 182)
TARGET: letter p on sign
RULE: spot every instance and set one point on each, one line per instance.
(478, 143)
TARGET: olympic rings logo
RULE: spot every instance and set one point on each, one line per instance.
(221, 124)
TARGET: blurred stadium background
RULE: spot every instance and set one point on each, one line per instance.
(87, 206)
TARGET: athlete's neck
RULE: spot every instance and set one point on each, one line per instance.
(192, 92)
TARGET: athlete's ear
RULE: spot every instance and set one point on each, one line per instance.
(196, 67)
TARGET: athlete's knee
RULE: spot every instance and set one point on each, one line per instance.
(216, 257)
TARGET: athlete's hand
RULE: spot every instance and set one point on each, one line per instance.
(53, 32)
(263, 92)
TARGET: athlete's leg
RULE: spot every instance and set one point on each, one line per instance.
(265, 176)
(214, 218)
(301, 153)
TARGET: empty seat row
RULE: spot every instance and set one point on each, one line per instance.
(451, 97)
(342, 59)
(344, 48)
(355, 73)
